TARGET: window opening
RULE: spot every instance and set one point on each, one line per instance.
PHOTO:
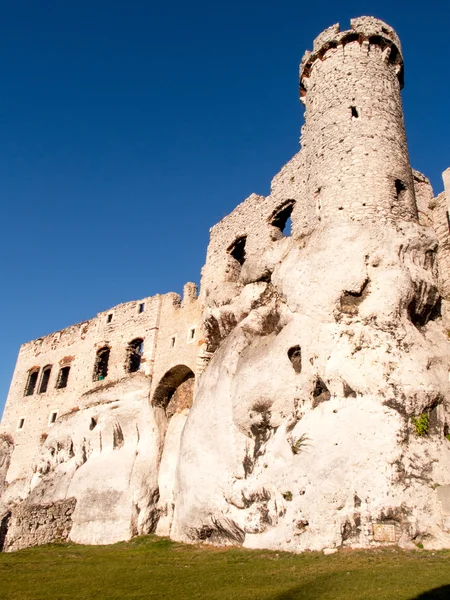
(109, 318)
(53, 417)
(31, 383)
(141, 307)
(355, 113)
(237, 249)
(101, 364)
(191, 334)
(281, 218)
(45, 377)
(21, 423)
(134, 352)
(63, 377)
(172, 342)
(400, 190)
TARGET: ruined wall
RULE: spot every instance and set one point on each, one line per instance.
(179, 336)
(34, 525)
(354, 139)
(28, 418)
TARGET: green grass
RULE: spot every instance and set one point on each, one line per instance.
(150, 567)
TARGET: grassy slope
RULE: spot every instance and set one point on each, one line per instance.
(151, 567)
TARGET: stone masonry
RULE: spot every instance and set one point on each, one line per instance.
(279, 407)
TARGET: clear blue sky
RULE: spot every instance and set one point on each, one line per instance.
(130, 128)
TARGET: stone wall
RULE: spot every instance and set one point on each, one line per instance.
(34, 525)
(354, 139)
(28, 419)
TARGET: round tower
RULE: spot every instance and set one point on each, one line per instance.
(354, 139)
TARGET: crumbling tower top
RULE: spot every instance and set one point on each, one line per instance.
(365, 30)
(354, 140)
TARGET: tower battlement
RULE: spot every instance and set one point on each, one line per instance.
(367, 31)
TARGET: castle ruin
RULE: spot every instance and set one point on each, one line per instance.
(301, 399)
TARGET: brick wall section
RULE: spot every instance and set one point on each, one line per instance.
(34, 525)
(354, 140)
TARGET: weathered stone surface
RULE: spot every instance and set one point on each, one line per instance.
(34, 525)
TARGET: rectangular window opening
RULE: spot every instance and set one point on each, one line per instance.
(21, 423)
(141, 307)
(109, 318)
(53, 417)
(172, 341)
(191, 333)
(63, 378)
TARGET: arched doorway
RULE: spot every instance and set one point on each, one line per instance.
(173, 395)
(175, 390)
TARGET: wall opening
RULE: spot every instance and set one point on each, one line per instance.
(354, 111)
(141, 307)
(295, 356)
(281, 218)
(109, 318)
(53, 417)
(134, 355)
(172, 341)
(191, 334)
(45, 377)
(31, 382)
(400, 190)
(21, 423)
(101, 364)
(63, 377)
(175, 390)
(237, 249)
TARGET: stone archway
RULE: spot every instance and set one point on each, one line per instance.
(175, 390)
(174, 394)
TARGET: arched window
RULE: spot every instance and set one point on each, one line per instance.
(281, 217)
(237, 249)
(134, 355)
(45, 377)
(101, 364)
(63, 378)
(31, 382)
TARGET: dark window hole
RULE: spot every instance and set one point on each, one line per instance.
(295, 356)
(45, 379)
(400, 190)
(134, 355)
(320, 393)
(92, 424)
(63, 378)
(237, 249)
(281, 217)
(101, 364)
(355, 113)
(31, 383)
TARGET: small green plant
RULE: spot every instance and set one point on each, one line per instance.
(298, 444)
(421, 424)
(447, 437)
(287, 496)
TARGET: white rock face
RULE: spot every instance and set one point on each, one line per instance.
(313, 453)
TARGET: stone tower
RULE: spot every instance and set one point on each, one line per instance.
(354, 140)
